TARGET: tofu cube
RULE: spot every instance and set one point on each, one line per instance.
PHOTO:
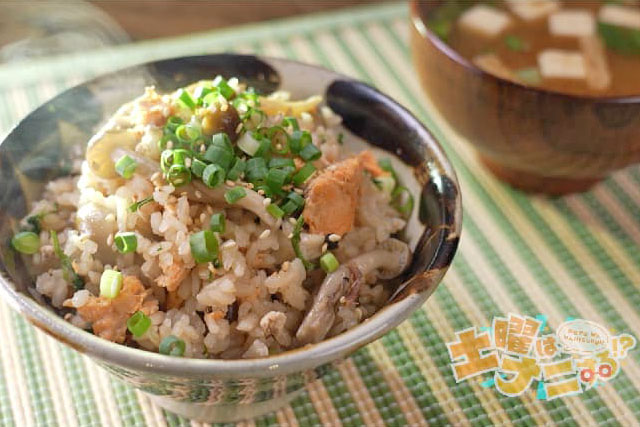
(623, 16)
(530, 10)
(572, 23)
(485, 20)
(562, 64)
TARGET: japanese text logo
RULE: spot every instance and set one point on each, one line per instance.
(516, 352)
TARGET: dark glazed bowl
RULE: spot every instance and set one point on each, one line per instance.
(39, 148)
(536, 140)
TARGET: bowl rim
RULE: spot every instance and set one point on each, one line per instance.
(418, 23)
(290, 361)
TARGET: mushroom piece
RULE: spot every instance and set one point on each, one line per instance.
(102, 145)
(388, 261)
(253, 202)
(98, 222)
(272, 106)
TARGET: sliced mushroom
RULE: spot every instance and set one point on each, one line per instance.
(98, 222)
(388, 261)
(253, 202)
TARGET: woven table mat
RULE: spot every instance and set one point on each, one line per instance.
(575, 256)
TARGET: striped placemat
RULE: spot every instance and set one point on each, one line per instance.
(576, 256)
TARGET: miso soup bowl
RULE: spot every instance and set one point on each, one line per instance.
(40, 147)
(534, 139)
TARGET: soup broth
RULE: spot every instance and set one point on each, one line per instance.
(577, 47)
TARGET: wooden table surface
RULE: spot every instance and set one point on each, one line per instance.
(152, 19)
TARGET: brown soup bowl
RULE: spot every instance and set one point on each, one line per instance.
(535, 139)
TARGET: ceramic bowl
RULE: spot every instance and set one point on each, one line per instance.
(535, 139)
(39, 148)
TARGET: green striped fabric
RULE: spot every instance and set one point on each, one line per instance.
(574, 256)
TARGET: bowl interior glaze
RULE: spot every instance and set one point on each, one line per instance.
(40, 147)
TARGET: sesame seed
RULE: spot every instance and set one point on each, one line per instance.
(298, 190)
(325, 247)
(203, 217)
(250, 185)
(198, 194)
(261, 192)
(230, 183)
(286, 265)
(239, 128)
(203, 148)
(110, 239)
(169, 144)
(211, 268)
(290, 236)
(266, 233)
(293, 221)
(266, 201)
(187, 162)
(334, 238)
(224, 107)
(343, 299)
(155, 176)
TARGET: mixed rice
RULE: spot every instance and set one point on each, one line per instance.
(213, 222)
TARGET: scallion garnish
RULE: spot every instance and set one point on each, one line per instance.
(186, 99)
(223, 87)
(204, 246)
(276, 179)
(138, 324)
(275, 211)
(179, 175)
(253, 119)
(234, 194)
(133, 207)
(402, 200)
(68, 272)
(187, 134)
(110, 283)
(26, 242)
(197, 167)
(291, 121)
(213, 175)
(219, 154)
(298, 140)
(264, 149)
(386, 183)
(279, 139)
(256, 169)
(248, 143)
(172, 123)
(310, 152)
(126, 242)
(329, 262)
(237, 169)
(172, 346)
(126, 166)
(303, 174)
(217, 223)
(279, 162)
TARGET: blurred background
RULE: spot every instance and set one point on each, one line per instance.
(30, 29)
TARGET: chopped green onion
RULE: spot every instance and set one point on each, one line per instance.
(186, 99)
(275, 211)
(172, 346)
(341, 138)
(137, 205)
(204, 246)
(529, 75)
(234, 194)
(620, 39)
(35, 221)
(222, 140)
(264, 150)
(329, 263)
(265, 188)
(237, 169)
(219, 155)
(187, 134)
(303, 174)
(295, 242)
(212, 98)
(223, 87)
(248, 144)
(197, 167)
(179, 175)
(68, 272)
(110, 283)
(126, 166)
(298, 140)
(172, 123)
(253, 119)
(279, 162)
(213, 175)
(138, 324)
(385, 165)
(402, 200)
(200, 92)
(293, 204)
(217, 222)
(26, 242)
(256, 169)
(172, 157)
(126, 242)
(279, 140)
(310, 152)
(276, 178)
(385, 183)
(291, 121)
